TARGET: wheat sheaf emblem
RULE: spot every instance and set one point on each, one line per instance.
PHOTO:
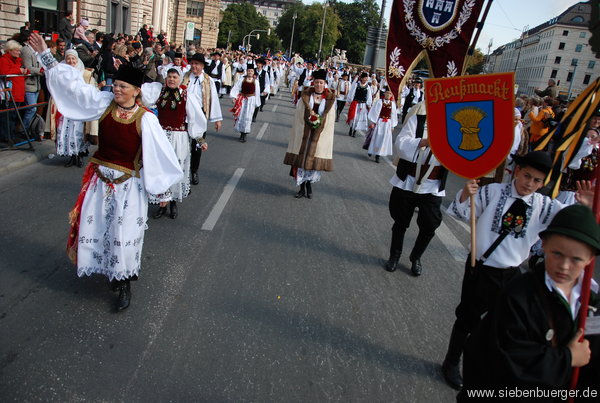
(469, 119)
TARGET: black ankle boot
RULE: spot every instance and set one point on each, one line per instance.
(72, 160)
(79, 161)
(160, 212)
(392, 263)
(377, 159)
(173, 205)
(450, 366)
(350, 132)
(302, 191)
(308, 190)
(242, 137)
(124, 295)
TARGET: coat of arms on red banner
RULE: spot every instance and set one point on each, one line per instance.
(470, 121)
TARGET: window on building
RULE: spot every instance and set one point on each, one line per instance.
(195, 8)
(569, 76)
(578, 48)
(582, 34)
(557, 60)
(565, 33)
(554, 73)
(574, 62)
(586, 79)
(591, 64)
(561, 46)
(577, 19)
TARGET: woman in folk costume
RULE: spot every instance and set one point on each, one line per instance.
(374, 88)
(310, 149)
(177, 115)
(71, 135)
(246, 98)
(360, 98)
(384, 117)
(342, 86)
(227, 76)
(109, 218)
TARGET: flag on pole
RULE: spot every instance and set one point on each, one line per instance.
(439, 30)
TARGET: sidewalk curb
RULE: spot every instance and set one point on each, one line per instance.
(13, 160)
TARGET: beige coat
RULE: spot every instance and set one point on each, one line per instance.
(308, 148)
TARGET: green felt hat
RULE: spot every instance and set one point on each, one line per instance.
(577, 222)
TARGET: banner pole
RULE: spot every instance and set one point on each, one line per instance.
(473, 232)
(471, 49)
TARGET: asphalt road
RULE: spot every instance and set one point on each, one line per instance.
(250, 295)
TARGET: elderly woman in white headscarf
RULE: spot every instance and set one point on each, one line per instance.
(72, 137)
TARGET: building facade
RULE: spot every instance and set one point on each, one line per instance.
(272, 9)
(118, 16)
(557, 49)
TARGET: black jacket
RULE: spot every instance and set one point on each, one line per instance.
(511, 348)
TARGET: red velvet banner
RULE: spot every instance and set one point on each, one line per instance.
(441, 29)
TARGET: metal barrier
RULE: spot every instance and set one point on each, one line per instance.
(8, 98)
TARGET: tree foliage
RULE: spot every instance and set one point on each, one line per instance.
(307, 29)
(476, 62)
(356, 18)
(241, 19)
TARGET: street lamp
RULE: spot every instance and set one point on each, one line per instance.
(292, 38)
(378, 37)
(525, 29)
(268, 31)
(325, 4)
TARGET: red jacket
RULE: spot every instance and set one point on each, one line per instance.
(10, 65)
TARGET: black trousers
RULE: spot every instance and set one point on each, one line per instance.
(263, 100)
(340, 108)
(480, 289)
(402, 207)
(196, 155)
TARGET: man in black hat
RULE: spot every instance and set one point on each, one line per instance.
(411, 94)
(265, 85)
(176, 64)
(215, 70)
(509, 218)
(201, 90)
(529, 339)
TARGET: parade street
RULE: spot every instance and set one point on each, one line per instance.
(249, 295)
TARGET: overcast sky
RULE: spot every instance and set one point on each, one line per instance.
(506, 18)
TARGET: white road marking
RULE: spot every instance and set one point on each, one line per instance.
(274, 108)
(262, 130)
(218, 208)
(456, 249)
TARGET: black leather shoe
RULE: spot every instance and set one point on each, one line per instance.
(71, 161)
(124, 298)
(173, 205)
(452, 375)
(392, 263)
(416, 267)
(377, 159)
(301, 192)
(160, 212)
(195, 179)
(243, 138)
